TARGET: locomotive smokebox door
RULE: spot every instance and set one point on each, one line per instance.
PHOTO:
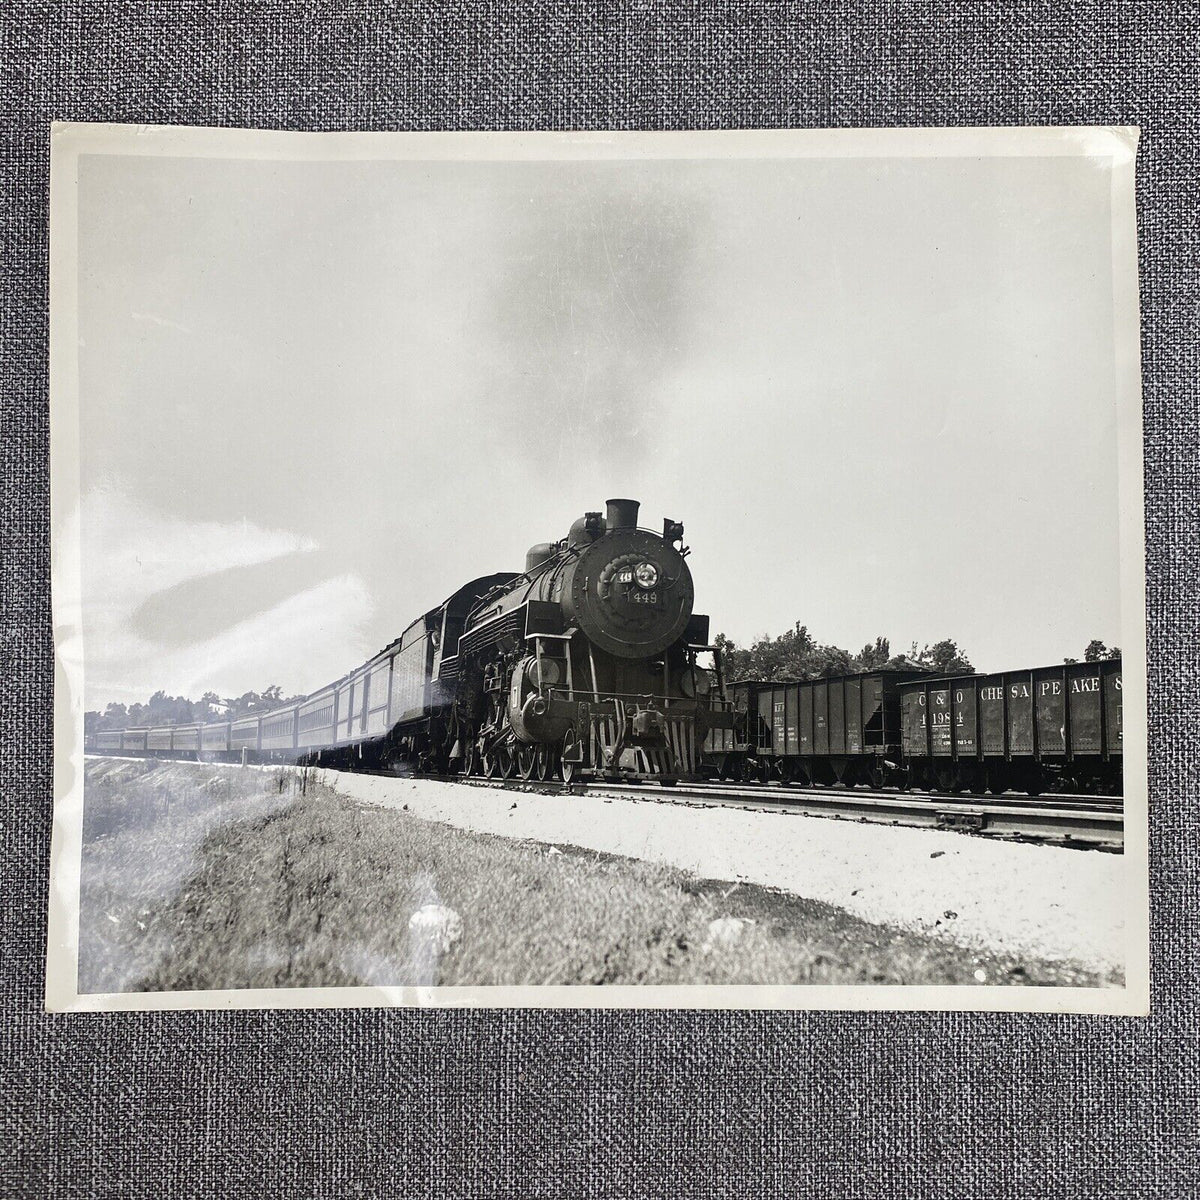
(629, 592)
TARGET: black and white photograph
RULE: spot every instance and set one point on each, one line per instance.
(606, 569)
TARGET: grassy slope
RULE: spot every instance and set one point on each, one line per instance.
(203, 877)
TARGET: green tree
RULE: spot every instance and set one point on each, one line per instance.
(1097, 650)
(945, 658)
(872, 657)
(208, 708)
(798, 655)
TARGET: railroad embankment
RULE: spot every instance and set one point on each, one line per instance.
(1046, 902)
(202, 877)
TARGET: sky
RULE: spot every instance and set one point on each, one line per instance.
(316, 398)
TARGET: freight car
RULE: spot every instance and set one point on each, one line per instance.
(590, 662)
(844, 729)
(1028, 730)
(1023, 730)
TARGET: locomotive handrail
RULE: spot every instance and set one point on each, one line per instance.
(715, 701)
(525, 576)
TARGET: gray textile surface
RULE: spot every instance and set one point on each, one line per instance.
(399, 1103)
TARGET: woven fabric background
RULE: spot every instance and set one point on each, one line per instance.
(621, 1104)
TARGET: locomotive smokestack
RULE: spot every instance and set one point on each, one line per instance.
(622, 514)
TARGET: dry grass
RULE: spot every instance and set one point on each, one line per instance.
(200, 877)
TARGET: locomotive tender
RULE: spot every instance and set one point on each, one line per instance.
(589, 663)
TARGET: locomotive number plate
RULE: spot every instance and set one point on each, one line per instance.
(644, 597)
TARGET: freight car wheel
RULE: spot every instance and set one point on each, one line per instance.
(733, 769)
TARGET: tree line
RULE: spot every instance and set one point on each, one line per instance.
(796, 654)
(162, 709)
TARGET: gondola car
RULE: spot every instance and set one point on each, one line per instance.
(844, 729)
(1024, 730)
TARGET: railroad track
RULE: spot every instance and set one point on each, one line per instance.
(1086, 822)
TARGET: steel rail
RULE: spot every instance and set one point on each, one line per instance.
(993, 816)
(1077, 821)
(1046, 799)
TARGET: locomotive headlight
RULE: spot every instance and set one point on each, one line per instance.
(547, 675)
(646, 575)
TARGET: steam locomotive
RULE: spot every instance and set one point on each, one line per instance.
(590, 663)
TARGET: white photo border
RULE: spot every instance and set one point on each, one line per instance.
(1115, 147)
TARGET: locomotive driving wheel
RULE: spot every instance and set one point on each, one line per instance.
(526, 761)
(506, 761)
(567, 767)
(547, 762)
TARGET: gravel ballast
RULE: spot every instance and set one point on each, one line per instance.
(1046, 901)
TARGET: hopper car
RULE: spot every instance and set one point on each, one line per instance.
(1031, 730)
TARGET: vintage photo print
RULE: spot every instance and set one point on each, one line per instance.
(605, 569)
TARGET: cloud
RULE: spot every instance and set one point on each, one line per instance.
(131, 555)
(590, 310)
(132, 552)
